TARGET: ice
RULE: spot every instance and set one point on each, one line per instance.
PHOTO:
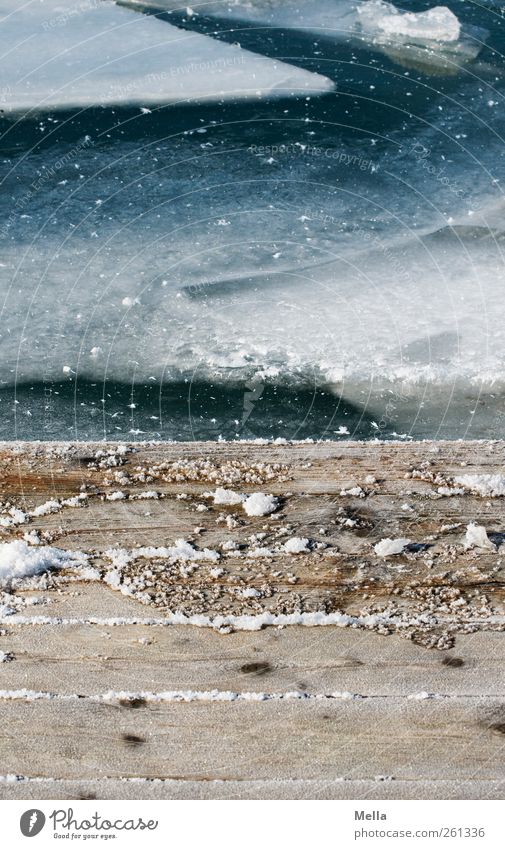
(73, 55)
(386, 547)
(407, 36)
(380, 18)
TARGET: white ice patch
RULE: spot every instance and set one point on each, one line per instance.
(19, 560)
(476, 537)
(259, 504)
(387, 546)
(437, 24)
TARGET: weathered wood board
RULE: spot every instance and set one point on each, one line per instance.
(88, 687)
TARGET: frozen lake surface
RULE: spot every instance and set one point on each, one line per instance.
(318, 263)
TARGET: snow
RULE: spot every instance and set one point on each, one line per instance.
(423, 695)
(249, 592)
(355, 491)
(259, 504)
(230, 545)
(227, 497)
(54, 506)
(112, 696)
(51, 506)
(387, 546)
(180, 551)
(242, 622)
(115, 496)
(488, 486)
(100, 53)
(260, 552)
(476, 537)
(19, 560)
(297, 545)
(437, 24)
(15, 517)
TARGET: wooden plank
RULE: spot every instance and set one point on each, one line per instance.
(288, 789)
(344, 498)
(92, 659)
(436, 594)
(309, 740)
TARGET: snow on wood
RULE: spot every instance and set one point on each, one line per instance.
(414, 665)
